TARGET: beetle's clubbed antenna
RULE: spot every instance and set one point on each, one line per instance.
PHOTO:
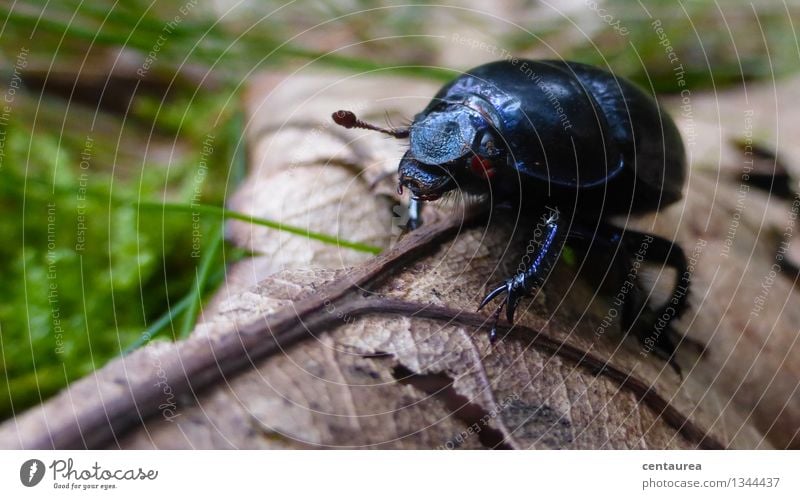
(348, 120)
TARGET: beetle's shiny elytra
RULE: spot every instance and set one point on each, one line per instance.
(556, 133)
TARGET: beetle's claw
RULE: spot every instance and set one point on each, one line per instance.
(495, 318)
(511, 304)
(493, 334)
(513, 295)
(492, 294)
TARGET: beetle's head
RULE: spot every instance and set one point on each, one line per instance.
(452, 146)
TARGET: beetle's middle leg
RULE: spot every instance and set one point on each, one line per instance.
(541, 253)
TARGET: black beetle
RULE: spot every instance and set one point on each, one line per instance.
(536, 134)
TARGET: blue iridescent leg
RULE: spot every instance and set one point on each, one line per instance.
(541, 253)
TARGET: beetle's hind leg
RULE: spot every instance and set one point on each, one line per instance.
(652, 326)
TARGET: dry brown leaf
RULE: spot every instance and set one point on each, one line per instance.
(340, 389)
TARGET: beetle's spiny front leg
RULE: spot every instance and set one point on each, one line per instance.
(541, 253)
(414, 213)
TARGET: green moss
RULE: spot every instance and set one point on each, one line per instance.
(83, 276)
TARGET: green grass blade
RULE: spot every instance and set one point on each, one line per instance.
(225, 213)
(159, 325)
(13, 184)
(199, 288)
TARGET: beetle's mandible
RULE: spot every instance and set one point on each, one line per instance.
(534, 134)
